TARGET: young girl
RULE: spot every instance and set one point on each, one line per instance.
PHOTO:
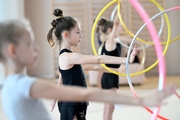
(21, 94)
(109, 31)
(66, 32)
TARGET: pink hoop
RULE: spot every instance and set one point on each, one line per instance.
(154, 36)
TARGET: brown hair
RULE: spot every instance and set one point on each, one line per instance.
(104, 25)
(59, 25)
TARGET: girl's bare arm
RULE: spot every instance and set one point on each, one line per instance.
(98, 67)
(77, 58)
(110, 42)
(45, 89)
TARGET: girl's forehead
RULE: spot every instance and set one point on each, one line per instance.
(78, 26)
(30, 31)
(27, 36)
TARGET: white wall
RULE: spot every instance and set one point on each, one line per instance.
(172, 56)
(10, 9)
(39, 13)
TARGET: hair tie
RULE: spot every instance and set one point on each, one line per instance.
(59, 17)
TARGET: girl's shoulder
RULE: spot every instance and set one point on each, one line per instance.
(64, 53)
(64, 50)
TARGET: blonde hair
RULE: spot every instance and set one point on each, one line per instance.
(11, 31)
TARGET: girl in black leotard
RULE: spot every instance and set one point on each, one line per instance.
(111, 47)
(67, 33)
(21, 94)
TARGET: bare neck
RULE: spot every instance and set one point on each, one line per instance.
(12, 68)
(65, 45)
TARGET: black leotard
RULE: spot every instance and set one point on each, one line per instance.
(110, 80)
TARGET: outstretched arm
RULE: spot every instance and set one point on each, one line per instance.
(45, 89)
(77, 58)
(98, 67)
(110, 42)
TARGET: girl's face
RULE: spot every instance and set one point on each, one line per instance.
(27, 49)
(75, 35)
(104, 36)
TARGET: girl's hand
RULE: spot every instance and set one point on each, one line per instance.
(122, 68)
(133, 54)
(156, 97)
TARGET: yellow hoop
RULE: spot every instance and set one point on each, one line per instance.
(139, 39)
(140, 72)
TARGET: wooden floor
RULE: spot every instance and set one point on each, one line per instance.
(152, 82)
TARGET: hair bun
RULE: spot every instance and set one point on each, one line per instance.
(102, 21)
(54, 23)
(58, 12)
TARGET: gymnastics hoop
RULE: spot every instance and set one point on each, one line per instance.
(113, 13)
(129, 81)
(143, 52)
(123, 44)
(153, 33)
(146, 45)
(92, 35)
(144, 26)
(162, 21)
(141, 40)
(126, 46)
(161, 67)
(107, 68)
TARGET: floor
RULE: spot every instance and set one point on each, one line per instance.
(122, 112)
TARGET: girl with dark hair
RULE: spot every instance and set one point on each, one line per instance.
(21, 94)
(109, 81)
(66, 32)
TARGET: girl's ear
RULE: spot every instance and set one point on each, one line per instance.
(11, 50)
(109, 30)
(65, 34)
